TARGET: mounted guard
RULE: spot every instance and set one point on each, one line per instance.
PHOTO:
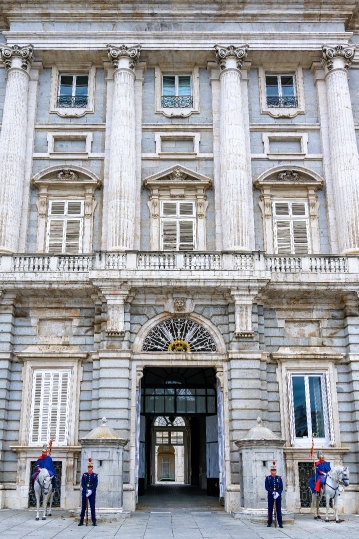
(322, 468)
(45, 461)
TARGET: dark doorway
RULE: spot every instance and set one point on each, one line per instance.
(178, 408)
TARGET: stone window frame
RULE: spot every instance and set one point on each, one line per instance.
(76, 183)
(177, 183)
(307, 360)
(298, 183)
(274, 69)
(79, 69)
(267, 138)
(177, 135)
(177, 112)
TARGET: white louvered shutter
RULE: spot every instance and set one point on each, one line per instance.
(64, 232)
(169, 235)
(178, 225)
(291, 228)
(50, 407)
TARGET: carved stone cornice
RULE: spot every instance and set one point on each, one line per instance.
(239, 54)
(10, 52)
(132, 54)
(342, 51)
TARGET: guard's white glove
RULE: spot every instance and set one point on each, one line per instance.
(275, 495)
(88, 493)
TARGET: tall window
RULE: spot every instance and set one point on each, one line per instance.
(178, 226)
(176, 91)
(310, 410)
(65, 226)
(291, 227)
(280, 90)
(73, 91)
(50, 407)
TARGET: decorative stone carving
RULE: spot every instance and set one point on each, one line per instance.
(116, 300)
(345, 51)
(178, 175)
(243, 302)
(223, 53)
(25, 54)
(288, 175)
(115, 54)
(66, 174)
(179, 305)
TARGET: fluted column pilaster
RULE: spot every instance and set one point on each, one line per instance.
(343, 146)
(122, 193)
(235, 179)
(13, 143)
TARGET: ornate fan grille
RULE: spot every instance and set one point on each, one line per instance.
(179, 329)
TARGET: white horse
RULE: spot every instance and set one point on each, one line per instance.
(43, 485)
(338, 476)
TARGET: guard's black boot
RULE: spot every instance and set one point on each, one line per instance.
(280, 525)
(94, 524)
(81, 523)
(269, 525)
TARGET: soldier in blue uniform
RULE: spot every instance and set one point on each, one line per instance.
(274, 487)
(89, 484)
(45, 461)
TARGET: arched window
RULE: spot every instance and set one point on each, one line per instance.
(179, 335)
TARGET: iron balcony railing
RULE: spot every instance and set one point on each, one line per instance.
(282, 102)
(177, 102)
(69, 102)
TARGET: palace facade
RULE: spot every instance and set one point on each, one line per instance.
(179, 238)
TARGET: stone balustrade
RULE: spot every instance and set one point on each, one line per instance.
(248, 263)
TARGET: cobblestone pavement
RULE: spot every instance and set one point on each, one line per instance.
(174, 524)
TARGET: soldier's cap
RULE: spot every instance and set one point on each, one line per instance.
(44, 448)
(273, 468)
(90, 465)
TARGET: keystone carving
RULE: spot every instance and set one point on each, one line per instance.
(8, 53)
(131, 53)
(223, 53)
(288, 175)
(68, 175)
(345, 51)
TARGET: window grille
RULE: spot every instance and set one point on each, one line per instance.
(65, 226)
(50, 407)
(280, 90)
(178, 226)
(73, 91)
(176, 91)
(291, 228)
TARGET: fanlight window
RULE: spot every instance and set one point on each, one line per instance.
(163, 421)
(179, 335)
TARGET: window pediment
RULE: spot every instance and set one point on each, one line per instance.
(177, 177)
(66, 177)
(281, 178)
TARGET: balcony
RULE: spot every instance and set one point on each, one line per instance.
(282, 102)
(246, 264)
(69, 102)
(177, 102)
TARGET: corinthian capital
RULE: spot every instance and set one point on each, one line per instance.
(223, 54)
(116, 54)
(12, 52)
(339, 51)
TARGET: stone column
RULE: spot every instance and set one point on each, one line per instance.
(13, 143)
(122, 192)
(343, 146)
(235, 179)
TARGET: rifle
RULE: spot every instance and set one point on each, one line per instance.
(275, 513)
(87, 510)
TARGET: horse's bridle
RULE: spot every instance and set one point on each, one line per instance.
(340, 482)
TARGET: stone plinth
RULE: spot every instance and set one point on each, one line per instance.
(257, 450)
(105, 447)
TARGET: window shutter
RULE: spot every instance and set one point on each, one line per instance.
(186, 235)
(74, 207)
(281, 208)
(169, 235)
(299, 208)
(186, 208)
(169, 209)
(50, 407)
(300, 237)
(55, 235)
(283, 236)
(73, 234)
(57, 208)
